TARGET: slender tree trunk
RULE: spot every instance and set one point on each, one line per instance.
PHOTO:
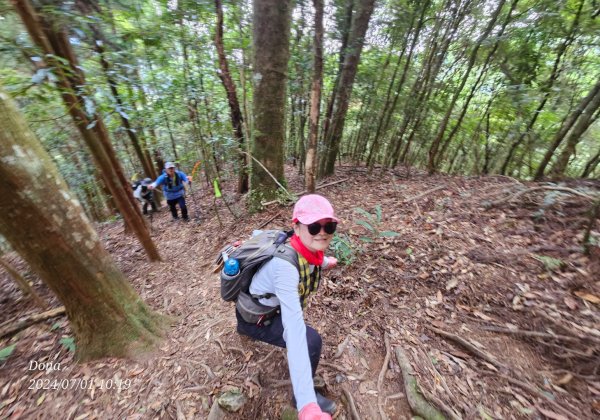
(315, 100)
(591, 165)
(22, 283)
(433, 150)
(564, 129)
(484, 68)
(344, 29)
(388, 110)
(356, 39)
(586, 119)
(271, 34)
(547, 88)
(107, 316)
(53, 41)
(234, 105)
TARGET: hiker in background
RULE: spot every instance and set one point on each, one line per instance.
(173, 182)
(145, 195)
(279, 283)
(135, 181)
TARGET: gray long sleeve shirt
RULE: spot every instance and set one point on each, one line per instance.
(281, 278)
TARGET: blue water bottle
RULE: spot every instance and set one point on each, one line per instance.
(231, 267)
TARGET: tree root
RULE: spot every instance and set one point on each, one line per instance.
(381, 377)
(478, 352)
(351, 405)
(418, 404)
(29, 321)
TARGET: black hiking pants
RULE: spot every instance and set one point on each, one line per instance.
(273, 334)
(181, 202)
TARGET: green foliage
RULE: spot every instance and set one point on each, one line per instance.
(344, 248)
(550, 263)
(6, 352)
(69, 343)
(373, 224)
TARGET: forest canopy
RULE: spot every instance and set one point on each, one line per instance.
(455, 86)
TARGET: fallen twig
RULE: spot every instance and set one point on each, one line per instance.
(268, 203)
(423, 194)
(341, 369)
(530, 190)
(478, 352)
(30, 320)
(351, 405)
(381, 377)
(534, 334)
(262, 225)
(539, 394)
(417, 403)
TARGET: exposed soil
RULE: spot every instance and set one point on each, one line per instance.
(511, 281)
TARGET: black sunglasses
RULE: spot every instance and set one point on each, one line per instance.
(315, 228)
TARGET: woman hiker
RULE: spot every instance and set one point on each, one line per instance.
(314, 223)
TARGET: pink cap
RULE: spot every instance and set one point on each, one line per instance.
(311, 208)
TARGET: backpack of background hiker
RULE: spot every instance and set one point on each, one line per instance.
(251, 255)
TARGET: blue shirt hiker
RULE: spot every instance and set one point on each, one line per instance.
(173, 182)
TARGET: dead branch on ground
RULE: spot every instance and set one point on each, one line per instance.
(423, 194)
(466, 344)
(534, 189)
(29, 321)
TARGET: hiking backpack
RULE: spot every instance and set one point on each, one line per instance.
(251, 255)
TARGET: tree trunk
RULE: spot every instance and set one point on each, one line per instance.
(234, 105)
(315, 100)
(586, 119)
(484, 68)
(356, 39)
(344, 29)
(433, 150)
(271, 34)
(52, 39)
(564, 129)
(591, 165)
(22, 283)
(48, 228)
(547, 88)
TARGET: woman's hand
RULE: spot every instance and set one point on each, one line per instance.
(312, 412)
(332, 262)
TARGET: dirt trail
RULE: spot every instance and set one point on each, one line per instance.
(493, 278)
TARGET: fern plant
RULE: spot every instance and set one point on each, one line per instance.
(372, 224)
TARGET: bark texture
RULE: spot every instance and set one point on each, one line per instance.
(271, 35)
(358, 30)
(52, 39)
(234, 105)
(47, 226)
(315, 100)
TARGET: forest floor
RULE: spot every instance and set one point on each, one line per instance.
(496, 309)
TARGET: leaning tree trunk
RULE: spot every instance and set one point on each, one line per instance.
(546, 88)
(588, 117)
(358, 30)
(564, 129)
(52, 39)
(432, 162)
(47, 226)
(315, 100)
(234, 105)
(271, 35)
